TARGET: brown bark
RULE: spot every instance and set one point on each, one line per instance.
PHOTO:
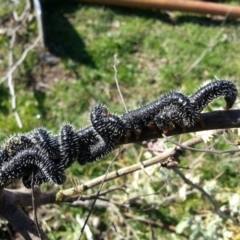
(12, 201)
(11, 210)
(211, 120)
(201, 7)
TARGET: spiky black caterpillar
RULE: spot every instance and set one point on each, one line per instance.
(49, 155)
(28, 161)
(177, 111)
(88, 144)
(23, 154)
(206, 94)
(61, 150)
(185, 112)
(105, 132)
(168, 110)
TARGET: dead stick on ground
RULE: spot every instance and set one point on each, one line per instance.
(177, 5)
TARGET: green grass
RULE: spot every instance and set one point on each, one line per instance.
(155, 53)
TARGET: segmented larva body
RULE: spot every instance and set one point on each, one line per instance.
(86, 145)
(68, 146)
(107, 129)
(177, 111)
(25, 162)
(17, 149)
(13, 146)
(110, 127)
(48, 155)
(173, 107)
(208, 93)
(45, 140)
(62, 151)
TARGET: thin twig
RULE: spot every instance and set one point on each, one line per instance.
(227, 141)
(24, 14)
(204, 193)
(116, 80)
(213, 151)
(130, 200)
(127, 170)
(20, 60)
(97, 195)
(10, 80)
(38, 12)
(189, 182)
(35, 207)
(163, 225)
(210, 46)
(136, 201)
(207, 50)
(74, 200)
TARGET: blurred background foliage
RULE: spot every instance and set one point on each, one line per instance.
(157, 52)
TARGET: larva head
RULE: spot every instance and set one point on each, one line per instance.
(98, 111)
(110, 127)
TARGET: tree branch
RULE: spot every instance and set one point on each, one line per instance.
(211, 120)
(228, 10)
(11, 210)
(11, 201)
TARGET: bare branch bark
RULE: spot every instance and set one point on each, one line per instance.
(228, 10)
(11, 210)
(212, 120)
(12, 201)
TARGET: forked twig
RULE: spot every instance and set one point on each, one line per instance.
(20, 60)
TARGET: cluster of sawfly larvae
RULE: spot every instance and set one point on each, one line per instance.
(39, 156)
